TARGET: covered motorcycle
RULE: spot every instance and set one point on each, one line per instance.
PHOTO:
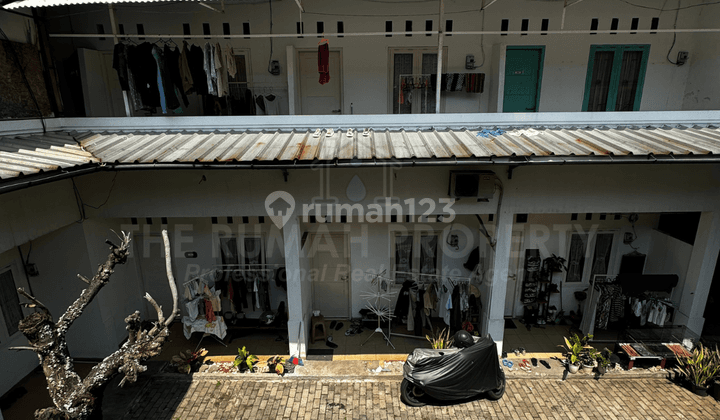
(453, 374)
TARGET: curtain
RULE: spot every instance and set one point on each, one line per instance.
(428, 254)
(403, 257)
(576, 261)
(229, 258)
(600, 81)
(629, 74)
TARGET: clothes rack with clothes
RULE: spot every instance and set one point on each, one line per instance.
(451, 298)
(203, 304)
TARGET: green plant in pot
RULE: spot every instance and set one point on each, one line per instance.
(245, 361)
(700, 368)
(440, 339)
(188, 360)
(577, 351)
(276, 364)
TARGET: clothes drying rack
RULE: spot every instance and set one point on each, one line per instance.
(419, 281)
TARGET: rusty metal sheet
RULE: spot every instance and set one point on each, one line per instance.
(275, 147)
(310, 148)
(232, 147)
(294, 146)
(260, 144)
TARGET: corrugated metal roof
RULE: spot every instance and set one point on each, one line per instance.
(50, 3)
(359, 144)
(35, 153)
(27, 154)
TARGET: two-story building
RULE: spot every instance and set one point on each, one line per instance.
(582, 129)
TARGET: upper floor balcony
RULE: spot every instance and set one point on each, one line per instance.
(323, 57)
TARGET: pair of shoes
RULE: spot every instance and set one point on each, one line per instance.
(534, 362)
(525, 365)
(546, 364)
(355, 329)
(508, 364)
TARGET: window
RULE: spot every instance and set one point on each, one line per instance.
(412, 74)
(584, 249)
(414, 253)
(10, 302)
(241, 253)
(239, 85)
(615, 77)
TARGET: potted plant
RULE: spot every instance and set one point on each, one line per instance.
(276, 364)
(700, 368)
(577, 351)
(188, 361)
(440, 339)
(245, 361)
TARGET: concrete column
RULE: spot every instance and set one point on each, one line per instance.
(295, 275)
(501, 260)
(700, 273)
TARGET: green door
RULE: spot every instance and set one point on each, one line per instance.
(523, 71)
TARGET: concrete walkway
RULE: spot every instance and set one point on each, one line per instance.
(214, 397)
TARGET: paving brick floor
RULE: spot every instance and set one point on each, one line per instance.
(364, 399)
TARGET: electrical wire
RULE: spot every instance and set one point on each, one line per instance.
(81, 204)
(677, 12)
(16, 59)
(271, 40)
(671, 10)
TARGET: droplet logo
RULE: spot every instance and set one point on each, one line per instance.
(280, 206)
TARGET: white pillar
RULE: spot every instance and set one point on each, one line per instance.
(292, 90)
(501, 261)
(297, 328)
(700, 273)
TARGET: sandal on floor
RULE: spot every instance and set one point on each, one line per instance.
(329, 343)
(546, 364)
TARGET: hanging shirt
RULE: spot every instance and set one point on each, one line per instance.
(272, 105)
(220, 72)
(209, 66)
(448, 307)
(229, 59)
(184, 68)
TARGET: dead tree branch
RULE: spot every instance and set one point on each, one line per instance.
(73, 397)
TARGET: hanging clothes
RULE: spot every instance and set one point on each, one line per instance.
(159, 66)
(143, 67)
(272, 105)
(229, 61)
(172, 71)
(403, 301)
(221, 71)
(196, 63)
(260, 105)
(184, 69)
(209, 67)
(324, 63)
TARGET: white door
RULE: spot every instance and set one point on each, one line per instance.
(101, 89)
(513, 272)
(331, 287)
(150, 254)
(317, 99)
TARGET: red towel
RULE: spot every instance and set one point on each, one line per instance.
(324, 63)
(209, 313)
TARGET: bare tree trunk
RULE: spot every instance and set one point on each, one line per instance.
(73, 397)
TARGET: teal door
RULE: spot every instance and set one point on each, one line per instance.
(523, 72)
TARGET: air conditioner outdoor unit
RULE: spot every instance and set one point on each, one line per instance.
(472, 184)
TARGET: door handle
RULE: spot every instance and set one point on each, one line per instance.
(337, 111)
(343, 278)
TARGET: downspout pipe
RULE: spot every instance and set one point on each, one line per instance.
(516, 161)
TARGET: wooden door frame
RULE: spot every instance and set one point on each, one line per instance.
(298, 111)
(501, 73)
(518, 269)
(346, 250)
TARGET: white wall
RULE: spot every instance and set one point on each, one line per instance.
(365, 67)
(669, 256)
(32, 212)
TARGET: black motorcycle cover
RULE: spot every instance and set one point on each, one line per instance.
(455, 374)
